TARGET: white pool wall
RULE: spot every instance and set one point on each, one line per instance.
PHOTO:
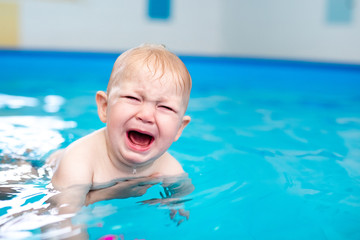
(247, 28)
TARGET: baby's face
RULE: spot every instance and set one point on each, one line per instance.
(145, 116)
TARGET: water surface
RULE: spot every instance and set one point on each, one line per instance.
(272, 149)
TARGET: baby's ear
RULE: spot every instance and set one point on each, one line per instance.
(185, 121)
(101, 102)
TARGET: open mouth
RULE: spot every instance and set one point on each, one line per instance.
(139, 139)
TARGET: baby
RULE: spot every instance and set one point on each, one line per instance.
(144, 111)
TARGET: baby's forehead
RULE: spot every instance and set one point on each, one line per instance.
(144, 79)
(153, 74)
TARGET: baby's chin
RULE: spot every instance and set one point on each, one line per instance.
(136, 160)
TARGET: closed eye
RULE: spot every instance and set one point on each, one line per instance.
(132, 98)
(167, 108)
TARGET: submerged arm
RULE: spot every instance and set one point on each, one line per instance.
(122, 189)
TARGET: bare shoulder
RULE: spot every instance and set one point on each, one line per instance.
(169, 166)
(75, 164)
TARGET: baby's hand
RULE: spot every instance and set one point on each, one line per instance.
(182, 213)
(174, 190)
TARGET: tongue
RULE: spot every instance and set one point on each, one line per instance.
(139, 138)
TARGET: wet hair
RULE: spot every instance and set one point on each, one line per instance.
(159, 61)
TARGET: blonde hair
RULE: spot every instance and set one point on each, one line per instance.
(156, 58)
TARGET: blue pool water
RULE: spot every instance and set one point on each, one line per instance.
(273, 149)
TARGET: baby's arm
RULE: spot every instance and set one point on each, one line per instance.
(134, 187)
(73, 178)
(72, 169)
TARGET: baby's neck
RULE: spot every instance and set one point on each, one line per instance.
(125, 170)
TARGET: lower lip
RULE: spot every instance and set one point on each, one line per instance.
(136, 147)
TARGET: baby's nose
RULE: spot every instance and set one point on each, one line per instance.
(146, 114)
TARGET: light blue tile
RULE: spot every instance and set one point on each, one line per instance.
(339, 11)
